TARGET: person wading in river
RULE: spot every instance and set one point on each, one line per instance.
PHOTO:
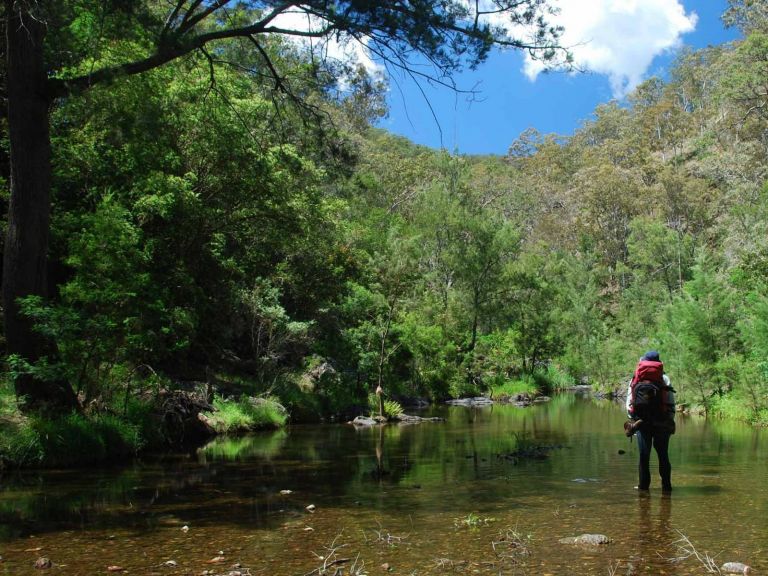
(651, 408)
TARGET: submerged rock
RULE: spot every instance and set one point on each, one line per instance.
(477, 401)
(735, 568)
(408, 419)
(529, 453)
(586, 540)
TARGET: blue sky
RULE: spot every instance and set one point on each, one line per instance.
(509, 102)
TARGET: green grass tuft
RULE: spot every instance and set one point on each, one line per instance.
(526, 384)
(246, 414)
(555, 378)
(72, 440)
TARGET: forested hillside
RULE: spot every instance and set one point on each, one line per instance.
(207, 228)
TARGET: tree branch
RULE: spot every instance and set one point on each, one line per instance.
(60, 87)
(389, 35)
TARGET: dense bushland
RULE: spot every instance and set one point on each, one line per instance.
(202, 232)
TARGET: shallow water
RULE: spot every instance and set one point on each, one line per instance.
(432, 498)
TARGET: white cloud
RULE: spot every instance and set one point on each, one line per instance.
(343, 48)
(619, 38)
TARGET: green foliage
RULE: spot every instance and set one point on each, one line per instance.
(497, 357)
(246, 414)
(747, 15)
(392, 408)
(525, 385)
(196, 232)
(556, 378)
(109, 313)
(73, 440)
(702, 333)
(433, 355)
(541, 380)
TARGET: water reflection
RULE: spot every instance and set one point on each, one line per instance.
(652, 532)
(251, 494)
(265, 446)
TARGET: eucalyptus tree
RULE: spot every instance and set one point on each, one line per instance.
(747, 15)
(57, 49)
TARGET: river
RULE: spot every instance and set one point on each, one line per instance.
(431, 498)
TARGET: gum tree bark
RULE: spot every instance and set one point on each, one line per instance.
(26, 246)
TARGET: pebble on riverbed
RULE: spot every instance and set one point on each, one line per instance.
(735, 568)
(586, 540)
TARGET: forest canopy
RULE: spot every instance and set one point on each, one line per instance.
(234, 215)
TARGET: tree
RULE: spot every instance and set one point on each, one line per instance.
(106, 40)
(744, 79)
(746, 15)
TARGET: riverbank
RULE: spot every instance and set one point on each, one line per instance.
(178, 420)
(107, 434)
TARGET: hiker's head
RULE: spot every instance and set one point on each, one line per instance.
(651, 355)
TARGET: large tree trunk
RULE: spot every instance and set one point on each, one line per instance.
(26, 246)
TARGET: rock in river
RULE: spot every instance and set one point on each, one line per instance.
(586, 540)
(735, 568)
(477, 401)
(364, 421)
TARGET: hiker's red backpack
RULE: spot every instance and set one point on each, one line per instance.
(649, 392)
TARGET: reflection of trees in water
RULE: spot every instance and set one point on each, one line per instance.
(238, 481)
(36, 502)
(104, 499)
(254, 446)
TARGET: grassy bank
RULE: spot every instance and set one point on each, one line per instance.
(72, 440)
(81, 439)
(246, 414)
(69, 440)
(540, 381)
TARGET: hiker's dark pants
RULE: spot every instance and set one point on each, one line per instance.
(647, 438)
